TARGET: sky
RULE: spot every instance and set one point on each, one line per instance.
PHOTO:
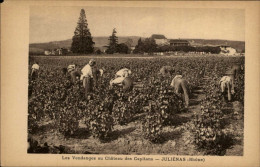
(49, 23)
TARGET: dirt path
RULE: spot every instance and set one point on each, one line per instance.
(232, 124)
(186, 144)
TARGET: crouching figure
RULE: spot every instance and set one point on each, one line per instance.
(180, 86)
(166, 71)
(227, 86)
(124, 72)
(74, 73)
(125, 82)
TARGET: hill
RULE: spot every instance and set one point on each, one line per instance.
(103, 41)
(99, 42)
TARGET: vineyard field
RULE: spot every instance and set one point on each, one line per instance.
(151, 119)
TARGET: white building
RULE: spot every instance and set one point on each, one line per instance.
(160, 39)
(227, 50)
(46, 52)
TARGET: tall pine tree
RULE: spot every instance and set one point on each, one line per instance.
(113, 42)
(139, 46)
(82, 40)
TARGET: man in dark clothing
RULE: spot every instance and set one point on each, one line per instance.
(73, 72)
(97, 74)
(233, 73)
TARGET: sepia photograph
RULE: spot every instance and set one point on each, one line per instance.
(136, 81)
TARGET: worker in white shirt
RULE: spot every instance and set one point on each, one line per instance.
(180, 86)
(35, 70)
(87, 76)
(90, 75)
(125, 82)
(125, 72)
(227, 86)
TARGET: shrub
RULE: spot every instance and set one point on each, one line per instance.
(152, 124)
(101, 121)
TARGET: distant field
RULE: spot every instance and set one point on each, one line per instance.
(130, 56)
(103, 41)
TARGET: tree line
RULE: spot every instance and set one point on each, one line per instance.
(149, 46)
(82, 43)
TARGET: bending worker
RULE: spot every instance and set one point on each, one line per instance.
(234, 71)
(74, 73)
(167, 70)
(125, 82)
(180, 86)
(124, 72)
(227, 86)
(35, 70)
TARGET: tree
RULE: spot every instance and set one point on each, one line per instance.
(98, 52)
(122, 48)
(129, 42)
(149, 45)
(113, 40)
(82, 40)
(138, 47)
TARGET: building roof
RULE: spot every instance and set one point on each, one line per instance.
(178, 41)
(158, 36)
